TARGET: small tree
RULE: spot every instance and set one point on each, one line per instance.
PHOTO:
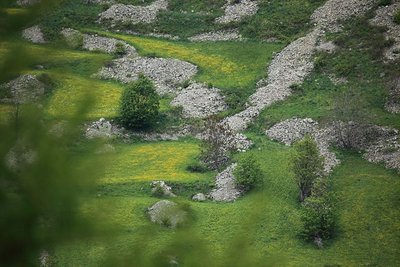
(248, 173)
(139, 104)
(307, 165)
(217, 144)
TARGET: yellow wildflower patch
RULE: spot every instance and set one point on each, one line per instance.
(152, 161)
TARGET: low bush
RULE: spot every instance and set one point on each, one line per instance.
(197, 167)
(248, 174)
(396, 17)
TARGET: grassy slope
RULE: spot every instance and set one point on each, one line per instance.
(269, 220)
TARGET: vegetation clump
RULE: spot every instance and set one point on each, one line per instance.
(248, 174)
(307, 166)
(139, 105)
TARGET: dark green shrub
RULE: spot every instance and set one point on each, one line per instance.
(248, 173)
(197, 167)
(139, 104)
(120, 49)
(318, 218)
(384, 2)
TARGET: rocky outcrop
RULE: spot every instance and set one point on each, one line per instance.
(293, 64)
(34, 34)
(166, 73)
(378, 144)
(333, 12)
(103, 129)
(225, 186)
(200, 197)
(385, 18)
(393, 102)
(167, 213)
(120, 13)
(294, 129)
(227, 35)
(93, 42)
(238, 11)
(199, 101)
(24, 89)
(161, 189)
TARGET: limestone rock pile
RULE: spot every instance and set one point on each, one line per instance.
(103, 129)
(225, 186)
(166, 73)
(24, 89)
(133, 14)
(227, 35)
(237, 11)
(34, 34)
(107, 45)
(199, 101)
(385, 18)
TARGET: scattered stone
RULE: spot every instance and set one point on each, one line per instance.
(333, 12)
(199, 101)
(156, 35)
(292, 130)
(385, 18)
(238, 11)
(166, 73)
(24, 89)
(160, 188)
(393, 103)
(34, 34)
(107, 45)
(227, 35)
(167, 213)
(318, 242)
(200, 197)
(225, 186)
(133, 14)
(103, 129)
(20, 156)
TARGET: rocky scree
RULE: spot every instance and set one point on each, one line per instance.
(238, 11)
(166, 73)
(385, 18)
(161, 189)
(293, 64)
(107, 45)
(34, 34)
(226, 189)
(199, 101)
(380, 144)
(24, 89)
(227, 35)
(104, 129)
(393, 103)
(133, 14)
(25, 3)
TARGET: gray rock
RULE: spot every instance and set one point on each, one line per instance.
(24, 89)
(103, 129)
(226, 35)
(200, 197)
(34, 34)
(327, 47)
(238, 11)
(167, 213)
(226, 189)
(199, 101)
(166, 73)
(160, 187)
(385, 18)
(93, 42)
(134, 14)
